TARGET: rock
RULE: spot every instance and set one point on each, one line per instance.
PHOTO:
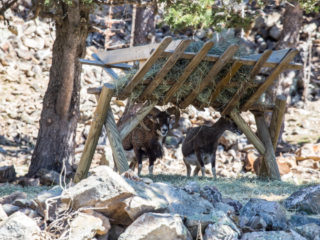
(306, 200)
(271, 212)
(22, 202)
(7, 174)
(48, 177)
(228, 139)
(233, 203)
(272, 19)
(85, 226)
(115, 232)
(271, 235)
(19, 226)
(3, 215)
(104, 219)
(299, 220)
(13, 196)
(10, 209)
(35, 42)
(217, 232)
(24, 54)
(211, 193)
(29, 182)
(310, 231)
(275, 32)
(29, 212)
(255, 223)
(227, 209)
(192, 187)
(41, 199)
(156, 226)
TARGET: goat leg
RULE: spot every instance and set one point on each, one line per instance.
(188, 167)
(213, 161)
(196, 170)
(138, 154)
(198, 154)
(152, 159)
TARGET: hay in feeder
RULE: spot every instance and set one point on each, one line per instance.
(195, 78)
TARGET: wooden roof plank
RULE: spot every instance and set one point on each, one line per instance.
(188, 70)
(144, 52)
(146, 66)
(165, 69)
(275, 73)
(221, 62)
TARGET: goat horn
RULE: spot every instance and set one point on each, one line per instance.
(176, 112)
(144, 126)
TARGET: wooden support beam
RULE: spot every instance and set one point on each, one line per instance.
(277, 120)
(109, 71)
(98, 120)
(245, 85)
(243, 126)
(131, 123)
(275, 73)
(115, 140)
(188, 70)
(223, 82)
(269, 156)
(165, 69)
(221, 62)
(145, 68)
(99, 64)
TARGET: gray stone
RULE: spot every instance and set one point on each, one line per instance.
(299, 220)
(10, 209)
(228, 139)
(310, 231)
(275, 32)
(41, 201)
(156, 226)
(115, 232)
(217, 232)
(306, 200)
(271, 212)
(272, 235)
(13, 196)
(192, 187)
(211, 193)
(34, 43)
(19, 227)
(22, 202)
(3, 215)
(85, 226)
(7, 173)
(233, 203)
(48, 177)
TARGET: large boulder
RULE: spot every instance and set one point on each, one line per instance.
(272, 235)
(299, 220)
(223, 228)
(306, 200)
(156, 226)
(122, 200)
(19, 227)
(272, 213)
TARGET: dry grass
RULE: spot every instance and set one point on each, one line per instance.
(241, 189)
(7, 189)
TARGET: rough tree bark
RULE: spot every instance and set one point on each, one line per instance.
(56, 137)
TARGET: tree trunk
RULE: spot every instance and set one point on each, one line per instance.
(56, 138)
(143, 28)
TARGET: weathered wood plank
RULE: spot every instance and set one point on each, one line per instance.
(275, 73)
(222, 61)
(98, 120)
(145, 68)
(131, 123)
(144, 52)
(244, 86)
(133, 53)
(269, 156)
(188, 70)
(115, 140)
(243, 126)
(277, 120)
(165, 69)
(223, 82)
(101, 64)
(109, 71)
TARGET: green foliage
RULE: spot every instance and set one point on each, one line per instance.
(310, 5)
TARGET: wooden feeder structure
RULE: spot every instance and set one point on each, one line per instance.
(173, 51)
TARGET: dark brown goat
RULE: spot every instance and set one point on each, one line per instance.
(147, 138)
(200, 145)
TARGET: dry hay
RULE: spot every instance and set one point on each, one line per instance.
(195, 78)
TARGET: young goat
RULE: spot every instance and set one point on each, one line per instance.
(147, 138)
(200, 145)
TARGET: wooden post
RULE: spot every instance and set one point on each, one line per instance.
(98, 120)
(119, 156)
(243, 126)
(269, 156)
(277, 120)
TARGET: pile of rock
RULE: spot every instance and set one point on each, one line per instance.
(109, 206)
